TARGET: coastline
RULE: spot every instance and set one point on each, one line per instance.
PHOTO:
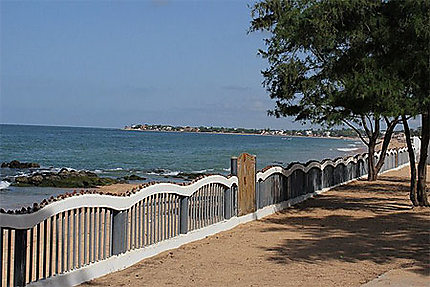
(187, 154)
(243, 134)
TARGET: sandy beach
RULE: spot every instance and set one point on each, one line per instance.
(346, 237)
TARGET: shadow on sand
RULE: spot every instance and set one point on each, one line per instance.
(364, 221)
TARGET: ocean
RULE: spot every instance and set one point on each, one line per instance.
(154, 155)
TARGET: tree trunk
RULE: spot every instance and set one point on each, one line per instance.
(386, 142)
(413, 187)
(372, 175)
(372, 135)
(422, 164)
(375, 167)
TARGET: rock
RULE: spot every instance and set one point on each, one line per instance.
(17, 164)
(64, 172)
(188, 176)
(66, 179)
(133, 177)
(21, 179)
(37, 179)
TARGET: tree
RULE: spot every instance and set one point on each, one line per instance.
(356, 62)
(324, 67)
(407, 44)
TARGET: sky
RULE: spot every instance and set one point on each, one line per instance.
(116, 63)
(111, 63)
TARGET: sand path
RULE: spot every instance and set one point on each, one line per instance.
(346, 237)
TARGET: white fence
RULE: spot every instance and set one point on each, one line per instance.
(78, 237)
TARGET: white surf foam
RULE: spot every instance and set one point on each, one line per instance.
(203, 170)
(4, 184)
(347, 149)
(114, 169)
(171, 173)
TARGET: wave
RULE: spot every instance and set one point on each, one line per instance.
(4, 184)
(152, 173)
(171, 173)
(203, 170)
(115, 169)
(162, 172)
(347, 149)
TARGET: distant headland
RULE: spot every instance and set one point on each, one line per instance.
(332, 133)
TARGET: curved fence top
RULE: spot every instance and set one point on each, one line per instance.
(116, 202)
(268, 171)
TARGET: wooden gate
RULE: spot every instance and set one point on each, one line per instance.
(246, 176)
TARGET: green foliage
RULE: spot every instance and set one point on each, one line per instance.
(334, 60)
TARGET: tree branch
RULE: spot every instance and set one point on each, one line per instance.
(386, 142)
(370, 122)
(364, 123)
(357, 131)
(377, 128)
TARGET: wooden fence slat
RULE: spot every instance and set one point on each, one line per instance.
(102, 234)
(147, 218)
(37, 250)
(20, 257)
(164, 216)
(58, 251)
(51, 245)
(1, 256)
(158, 217)
(65, 241)
(9, 257)
(86, 235)
(80, 236)
(139, 225)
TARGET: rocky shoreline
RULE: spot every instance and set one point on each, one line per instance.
(69, 178)
(64, 178)
(20, 165)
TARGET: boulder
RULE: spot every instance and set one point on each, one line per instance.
(133, 177)
(66, 179)
(20, 165)
(188, 176)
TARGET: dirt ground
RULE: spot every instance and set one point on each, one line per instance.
(345, 237)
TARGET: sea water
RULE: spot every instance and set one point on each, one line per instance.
(153, 155)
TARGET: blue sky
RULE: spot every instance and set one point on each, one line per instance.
(109, 63)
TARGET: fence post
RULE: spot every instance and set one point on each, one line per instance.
(228, 193)
(183, 215)
(118, 230)
(257, 188)
(322, 177)
(233, 165)
(20, 257)
(227, 204)
(397, 157)
(246, 177)
(257, 194)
